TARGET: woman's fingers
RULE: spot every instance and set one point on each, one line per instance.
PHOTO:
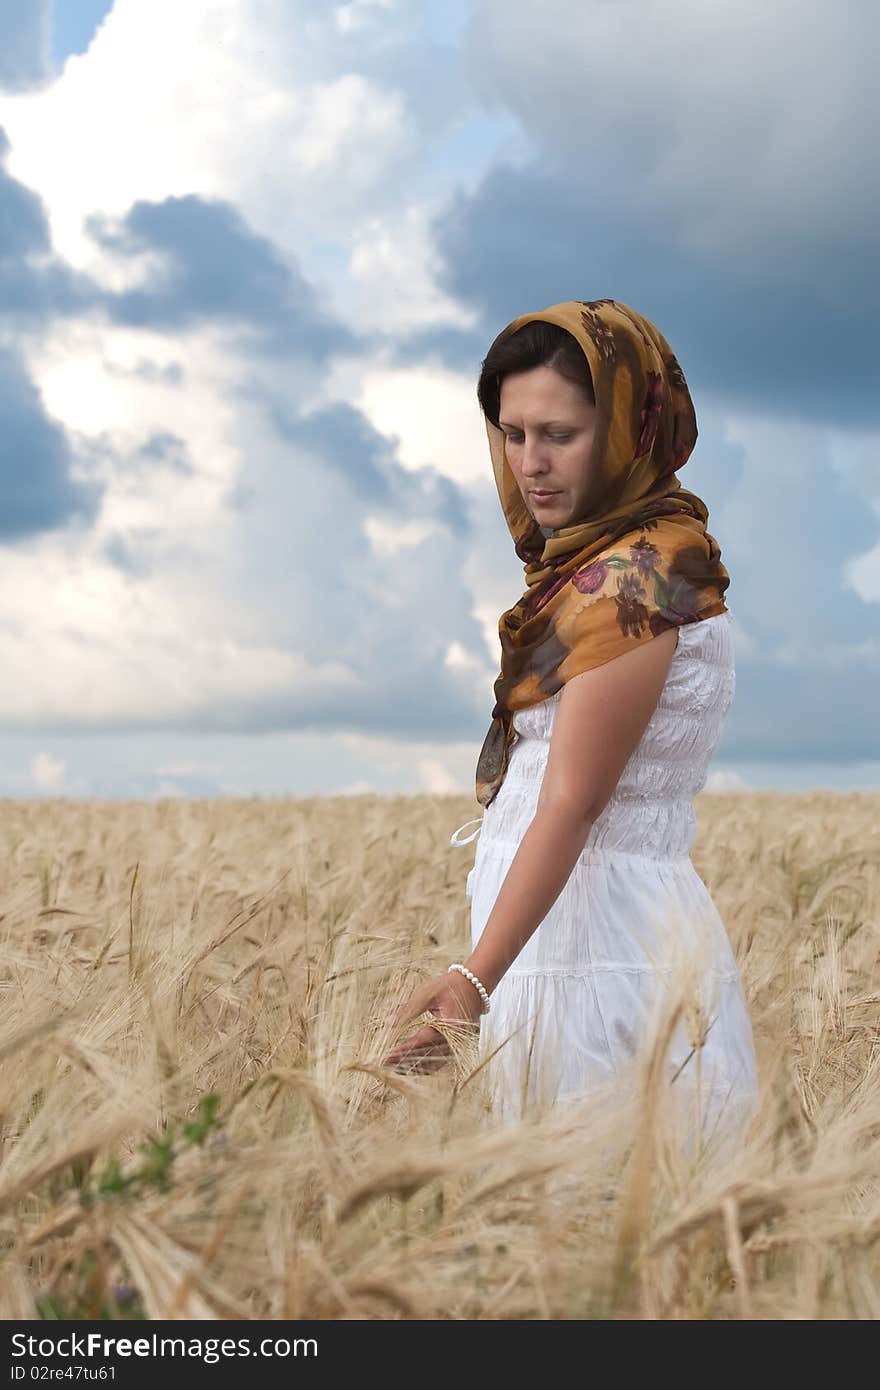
(427, 1048)
(423, 1046)
(415, 1005)
(424, 1040)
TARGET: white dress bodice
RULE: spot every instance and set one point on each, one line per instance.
(650, 812)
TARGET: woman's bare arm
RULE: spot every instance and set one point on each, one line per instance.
(601, 717)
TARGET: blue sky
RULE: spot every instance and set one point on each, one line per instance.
(72, 27)
(251, 255)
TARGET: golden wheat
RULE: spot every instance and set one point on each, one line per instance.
(154, 954)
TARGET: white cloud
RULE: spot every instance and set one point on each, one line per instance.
(194, 595)
(863, 574)
(434, 415)
(459, 659)
(179, 607)
(358, 13)
(726, 780)
(388, 537)
(436, 777)
(48, 773)
(109, 670)
(223, 100)
(89, 378)
(429, 411)
(392, 276)
(187, 768)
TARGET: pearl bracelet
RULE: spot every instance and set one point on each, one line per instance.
(474, 981)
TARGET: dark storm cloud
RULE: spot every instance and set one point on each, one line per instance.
(214, 268)
(35, 455)
(460, 348)
(792, 715)
(211, 268)
(718, 171)
(343, 439)
(23, 223)
(788, 525)
(38, 492)
(792, 331)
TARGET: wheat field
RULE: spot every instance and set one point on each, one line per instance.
(194, 1122)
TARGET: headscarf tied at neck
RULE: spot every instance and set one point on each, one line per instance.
(640, 562)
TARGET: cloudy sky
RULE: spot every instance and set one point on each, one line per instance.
(251, 255)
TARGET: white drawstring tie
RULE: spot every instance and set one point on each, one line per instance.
(477, 821)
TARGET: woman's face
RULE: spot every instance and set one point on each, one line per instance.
(549, 427)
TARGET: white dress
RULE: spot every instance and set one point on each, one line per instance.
(632, 911)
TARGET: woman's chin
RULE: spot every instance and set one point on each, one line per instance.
(552, 512)
(552, 518)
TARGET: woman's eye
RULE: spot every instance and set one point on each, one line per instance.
(554, 438)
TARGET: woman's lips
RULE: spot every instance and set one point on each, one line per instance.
(543, 496)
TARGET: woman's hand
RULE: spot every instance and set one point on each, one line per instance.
(450, 996)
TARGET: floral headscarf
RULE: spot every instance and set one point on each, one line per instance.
(641, 562)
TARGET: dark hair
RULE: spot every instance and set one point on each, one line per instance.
(536, 344)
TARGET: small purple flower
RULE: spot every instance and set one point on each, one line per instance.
(631, 611)
(600, 333)
(590, 578)
(645, 556)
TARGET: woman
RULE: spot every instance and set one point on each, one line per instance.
(616, 677)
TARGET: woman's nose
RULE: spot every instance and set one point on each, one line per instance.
(532, 458)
